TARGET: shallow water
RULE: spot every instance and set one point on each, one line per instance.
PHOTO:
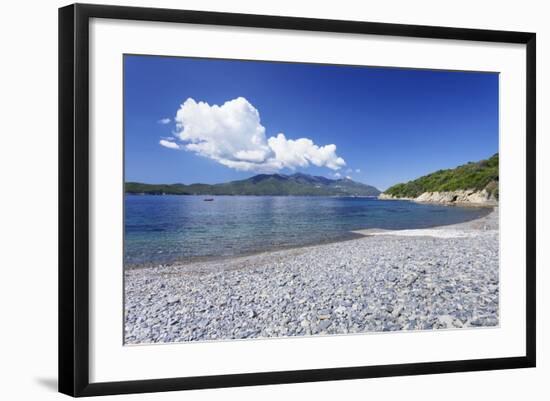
(170, 228)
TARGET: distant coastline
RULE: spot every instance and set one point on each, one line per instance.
(262, 185)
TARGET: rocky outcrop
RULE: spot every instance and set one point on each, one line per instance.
(464, 196)
(385, 196)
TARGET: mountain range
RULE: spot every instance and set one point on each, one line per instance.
(263, 184)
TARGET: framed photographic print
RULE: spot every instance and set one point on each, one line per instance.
(250, 199)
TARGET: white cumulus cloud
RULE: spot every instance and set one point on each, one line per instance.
(302, 152)
(169, 144)
(233, 135)
(164, 121)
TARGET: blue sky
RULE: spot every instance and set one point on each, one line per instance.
(388, 125)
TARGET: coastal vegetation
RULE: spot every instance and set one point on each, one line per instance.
(263, 184)
(476, 176)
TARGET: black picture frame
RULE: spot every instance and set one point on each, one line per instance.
(74, 198)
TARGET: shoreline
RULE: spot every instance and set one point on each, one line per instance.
(350, 236)
(205, 259)
(487, 222)
(385, 281)
(461, 198)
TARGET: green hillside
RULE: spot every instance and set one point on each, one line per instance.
(474, 175)
(263, 184)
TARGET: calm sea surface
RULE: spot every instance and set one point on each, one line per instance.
(169, 228)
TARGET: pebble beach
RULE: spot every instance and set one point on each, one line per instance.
(424, 279)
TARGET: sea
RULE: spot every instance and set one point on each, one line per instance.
(165, 229)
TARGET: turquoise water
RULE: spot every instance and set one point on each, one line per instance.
(170, 228)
